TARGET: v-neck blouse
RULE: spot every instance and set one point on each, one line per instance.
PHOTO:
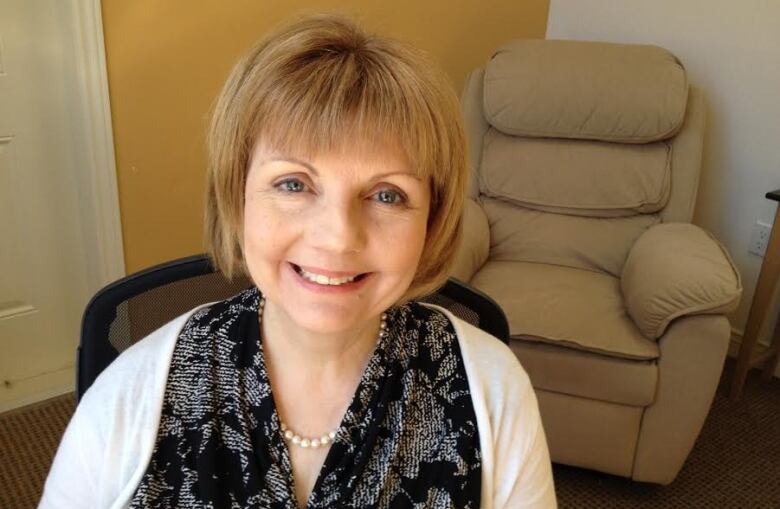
(107, 448)
(408, 438)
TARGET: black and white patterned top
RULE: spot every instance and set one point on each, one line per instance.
(408, 439)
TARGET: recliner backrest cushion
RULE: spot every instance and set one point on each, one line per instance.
(623, 93)
(586, 178)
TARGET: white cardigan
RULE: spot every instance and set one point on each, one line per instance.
(110, 439)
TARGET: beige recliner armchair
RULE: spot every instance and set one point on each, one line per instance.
(586, 160)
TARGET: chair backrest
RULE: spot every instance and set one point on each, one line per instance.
(579, 147)
(126, 311)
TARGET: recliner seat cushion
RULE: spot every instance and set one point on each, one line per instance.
(564, 306)
(624, 93)
(586, 374)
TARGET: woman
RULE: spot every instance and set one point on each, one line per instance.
(336, 181)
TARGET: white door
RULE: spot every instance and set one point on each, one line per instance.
(43, 260)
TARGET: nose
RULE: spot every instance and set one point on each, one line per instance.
(338, 227)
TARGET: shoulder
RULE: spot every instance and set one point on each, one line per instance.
(145, 364)
(486, 357)
(501, 391)
(516, 470)
(111, 434)
(131, 388)
(136, 378)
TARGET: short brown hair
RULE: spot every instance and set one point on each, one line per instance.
(313, 84)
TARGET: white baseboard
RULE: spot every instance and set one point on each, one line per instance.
(38, 388)
(52, 392)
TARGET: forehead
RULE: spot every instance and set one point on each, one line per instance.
(358, 156)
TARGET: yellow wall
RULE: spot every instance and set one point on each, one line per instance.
(167, 61)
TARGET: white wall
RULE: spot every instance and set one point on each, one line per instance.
(732, 51)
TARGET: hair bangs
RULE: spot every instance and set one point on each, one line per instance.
(342, 103)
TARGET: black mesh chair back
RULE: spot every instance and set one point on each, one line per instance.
(126, 311)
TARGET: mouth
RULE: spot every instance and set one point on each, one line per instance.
(323, 280)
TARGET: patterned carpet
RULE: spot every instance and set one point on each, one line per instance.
(735, 463)
(28, 440)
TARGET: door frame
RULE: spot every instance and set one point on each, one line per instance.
(98, 180)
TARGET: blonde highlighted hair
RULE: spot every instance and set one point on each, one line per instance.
(312, 86)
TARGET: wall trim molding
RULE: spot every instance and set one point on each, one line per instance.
(55, 386)
(101, 218)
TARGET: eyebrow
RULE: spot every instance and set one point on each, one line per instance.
(316, 174)
(294, 161)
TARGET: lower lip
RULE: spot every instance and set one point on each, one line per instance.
(328, 289)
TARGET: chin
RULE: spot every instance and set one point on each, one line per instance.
(328, 320)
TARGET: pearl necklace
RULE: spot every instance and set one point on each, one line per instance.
(322, 441)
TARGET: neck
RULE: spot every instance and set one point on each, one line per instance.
(320, 355)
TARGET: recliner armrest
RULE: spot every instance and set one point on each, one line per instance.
(677, 269)
(475, 246)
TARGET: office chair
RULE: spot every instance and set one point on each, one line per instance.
(127, 310)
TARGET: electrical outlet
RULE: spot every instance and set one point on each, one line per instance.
(759, 238)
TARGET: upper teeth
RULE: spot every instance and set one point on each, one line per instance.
(325, 280)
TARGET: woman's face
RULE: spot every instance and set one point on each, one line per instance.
(311, 222)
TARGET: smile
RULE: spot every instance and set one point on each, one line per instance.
(321, 279)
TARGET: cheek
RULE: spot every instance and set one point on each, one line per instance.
(264, 232)
(402, 246)
(255, 224)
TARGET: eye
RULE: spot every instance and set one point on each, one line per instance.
(291, 185)
(391, 197)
